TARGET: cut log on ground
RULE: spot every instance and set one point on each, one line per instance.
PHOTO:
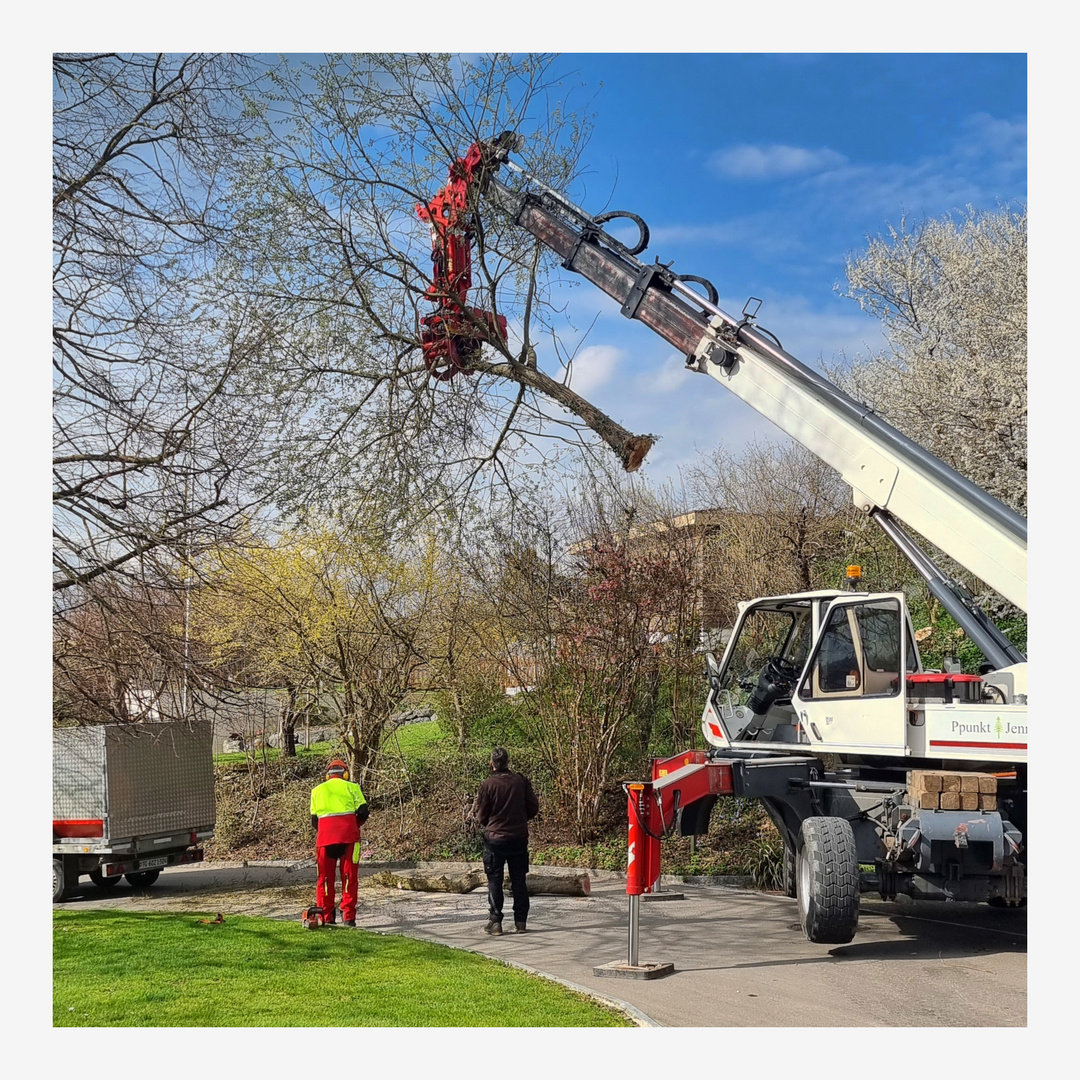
(554, 884)
(421, 881)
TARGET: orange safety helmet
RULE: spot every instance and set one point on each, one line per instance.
(337, 768)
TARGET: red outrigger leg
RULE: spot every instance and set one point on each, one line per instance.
(653, 809)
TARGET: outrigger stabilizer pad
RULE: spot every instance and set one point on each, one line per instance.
(634, 971)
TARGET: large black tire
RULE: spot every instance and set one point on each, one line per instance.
(59, 885)
(827, 877)
(140, 879)
(788, 875)
(103, 882)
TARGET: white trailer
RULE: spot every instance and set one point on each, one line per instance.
(129, 800)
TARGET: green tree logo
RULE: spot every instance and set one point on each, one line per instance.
(998, 727)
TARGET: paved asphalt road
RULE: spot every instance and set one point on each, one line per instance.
(740, 958)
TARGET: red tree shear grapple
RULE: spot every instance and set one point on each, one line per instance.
(454, 334)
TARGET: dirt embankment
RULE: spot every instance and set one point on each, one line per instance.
(263, 814)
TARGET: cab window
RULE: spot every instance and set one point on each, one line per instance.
(859, 652)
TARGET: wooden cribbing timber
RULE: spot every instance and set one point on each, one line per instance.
(933, 789)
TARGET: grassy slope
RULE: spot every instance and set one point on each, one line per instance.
(113, 969)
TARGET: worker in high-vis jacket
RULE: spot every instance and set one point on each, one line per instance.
(338, 809)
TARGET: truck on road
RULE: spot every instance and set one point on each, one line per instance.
(129, 800)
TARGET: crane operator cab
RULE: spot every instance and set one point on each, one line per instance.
(825, 668)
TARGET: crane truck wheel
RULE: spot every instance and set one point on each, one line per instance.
(140, 879)
(103, 882)
(827, 880)
(58, 884)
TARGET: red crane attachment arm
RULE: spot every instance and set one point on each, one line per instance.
(455, 332)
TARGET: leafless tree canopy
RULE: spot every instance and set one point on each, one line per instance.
(158, 407)
(335, 251)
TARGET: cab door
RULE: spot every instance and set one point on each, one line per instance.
(851, 692)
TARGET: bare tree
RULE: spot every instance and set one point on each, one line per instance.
(154, 412)
(335, 249)
(783, 520)
(119, 655)
(592, 611)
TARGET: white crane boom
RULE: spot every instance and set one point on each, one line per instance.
(992, 547)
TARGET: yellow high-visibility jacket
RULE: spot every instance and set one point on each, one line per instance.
(335, 803)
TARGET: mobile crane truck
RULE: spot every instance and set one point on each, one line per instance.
(879, 775)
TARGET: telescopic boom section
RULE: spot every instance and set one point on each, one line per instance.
(888, 473)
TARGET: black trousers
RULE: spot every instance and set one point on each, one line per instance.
(514, 854)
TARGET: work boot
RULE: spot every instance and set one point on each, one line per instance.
(519, 927)
(350, 922)
(493, 928)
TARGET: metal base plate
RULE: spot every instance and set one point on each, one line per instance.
(637, 971)
(654, 896)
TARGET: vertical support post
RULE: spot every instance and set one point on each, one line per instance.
(632, 937)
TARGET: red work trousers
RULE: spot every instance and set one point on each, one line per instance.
(326, 880)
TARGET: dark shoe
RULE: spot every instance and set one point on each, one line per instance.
(350, 922)
(493, 928)
(519, 928)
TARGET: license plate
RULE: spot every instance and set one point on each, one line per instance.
(152, 864)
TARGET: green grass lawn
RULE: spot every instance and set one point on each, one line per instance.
(412, 737)
(136, 969)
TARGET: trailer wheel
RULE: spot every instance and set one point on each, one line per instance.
(58, 884)
(788, 875)
(103, 882)
(827, 874)
(140, 879)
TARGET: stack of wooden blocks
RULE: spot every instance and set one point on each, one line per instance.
(930, 789)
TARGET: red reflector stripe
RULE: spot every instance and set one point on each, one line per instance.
(984, 745)
(715, 729)
(79, 828)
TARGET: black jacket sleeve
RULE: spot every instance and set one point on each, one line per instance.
(532, 803)
(362, 813)
(481, 810)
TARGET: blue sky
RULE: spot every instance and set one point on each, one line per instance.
(761, 172)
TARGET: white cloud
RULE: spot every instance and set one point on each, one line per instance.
(747, 162)
(984, 134)
(592, 367)
(672, 375)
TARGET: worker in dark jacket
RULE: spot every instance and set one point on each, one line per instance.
(338, 809)
(504, 806)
